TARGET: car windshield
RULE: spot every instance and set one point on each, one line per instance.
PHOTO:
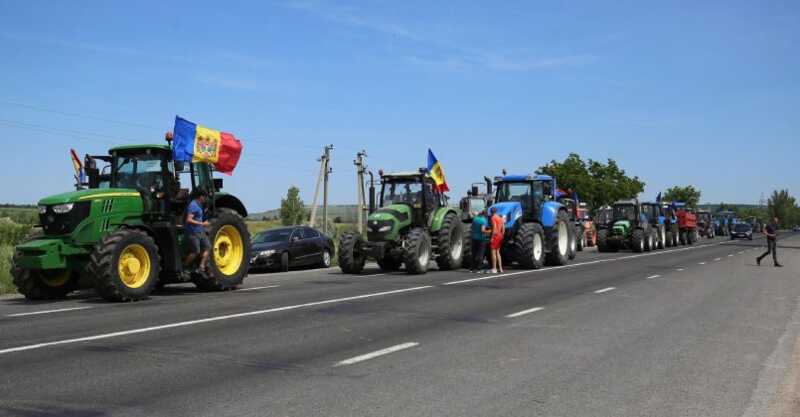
(742, 227)
(402, 192)
(624, 212)
(281, 235)
(139, 171)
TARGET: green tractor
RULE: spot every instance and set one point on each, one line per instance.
(124, 235)
(627, 228)
(413, 224)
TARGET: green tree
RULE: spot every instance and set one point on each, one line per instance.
(596, 183)
(292, 209)
(687, 194)
(783, 206)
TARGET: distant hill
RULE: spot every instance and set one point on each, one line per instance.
(347, 213)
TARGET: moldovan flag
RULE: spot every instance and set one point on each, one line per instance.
(437, 173)
(197, 143)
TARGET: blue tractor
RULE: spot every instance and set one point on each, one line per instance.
(538, 230)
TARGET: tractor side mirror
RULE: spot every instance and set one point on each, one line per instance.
(217, 184)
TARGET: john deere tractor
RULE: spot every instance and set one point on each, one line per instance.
(538, 228)
(629, 228)
(122, 231)
(412, 225)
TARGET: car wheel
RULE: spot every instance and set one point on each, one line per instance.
(284, 266)
(326, 259)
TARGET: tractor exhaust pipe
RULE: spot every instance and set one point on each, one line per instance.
(371, 193)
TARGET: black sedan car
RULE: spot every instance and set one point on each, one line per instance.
(743, 231)
(287, 247)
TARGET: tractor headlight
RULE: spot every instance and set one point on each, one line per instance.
(267, 252)
(42, 209)
(385, 228)
(62, 208)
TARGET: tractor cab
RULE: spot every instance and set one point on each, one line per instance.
(654, 213)
(521, 196)
(476, 200)
(414, 190)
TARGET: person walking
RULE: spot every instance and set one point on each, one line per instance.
(496, 242)
(771, 231)
(195, 231)
(480, 240)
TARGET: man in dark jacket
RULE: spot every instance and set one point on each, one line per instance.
(771, 231)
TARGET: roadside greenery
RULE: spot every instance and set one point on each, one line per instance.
(293, 210)
(783, 206)
(11, 234)
(598, 184)
(687, 194)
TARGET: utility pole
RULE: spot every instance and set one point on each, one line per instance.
(322, 178)
(328, 171)
(362, 206)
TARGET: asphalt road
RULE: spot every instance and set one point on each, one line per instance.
(694, 331)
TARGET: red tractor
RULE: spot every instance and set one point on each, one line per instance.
(687, 226)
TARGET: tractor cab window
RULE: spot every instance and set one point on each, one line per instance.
(625, 212)
(519, 191)
(402, 192)
(143, 170)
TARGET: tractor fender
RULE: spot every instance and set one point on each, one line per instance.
(438, 217)
(550, 211)
(224, 200)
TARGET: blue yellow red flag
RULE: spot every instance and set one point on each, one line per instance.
(197, 143)
(437, 173)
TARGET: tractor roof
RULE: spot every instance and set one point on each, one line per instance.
(404, 174)
(524, 177)
(626, 202)
(140, 147)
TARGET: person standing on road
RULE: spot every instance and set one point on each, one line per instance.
(480, 240)
(771, 231)
(498, 231)
(195, 231)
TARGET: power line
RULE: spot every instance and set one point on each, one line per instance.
(87, 116)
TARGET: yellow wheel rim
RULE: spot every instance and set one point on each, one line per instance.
(228, 250)
(55, 277)
(134, 266)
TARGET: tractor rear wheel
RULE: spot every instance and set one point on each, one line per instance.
(125, 265)
(573, 244)
(668, 236)
(637, 240)
(351, 255)
(559, 241)
(417, 251)
(466, 257)
(580, 237)
(450, 243)
(602, 241)
(43, 284)
(530, 246)
(230, 253)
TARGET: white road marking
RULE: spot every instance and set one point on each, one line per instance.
(524, 312)
(33, 313)
(741, 252)
(377, 353)
(256, 288)
(701, 263)
(679, 269)
(730, 256)
(605, 290)
(205, 320)
(717, 259)
(653, 276)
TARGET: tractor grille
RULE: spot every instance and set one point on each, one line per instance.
(62, 224)
(373, 229)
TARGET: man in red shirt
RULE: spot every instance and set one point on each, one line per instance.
(498, 231)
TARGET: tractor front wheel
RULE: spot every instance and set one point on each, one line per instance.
(42, 284)
(125, 265)
(417, 251)
(351, 256)
(638, 240)
(559, 241)
(450, 243)
(230, 253)
(530, 246)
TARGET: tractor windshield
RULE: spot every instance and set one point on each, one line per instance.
(518, 191)
(402, 192)
(624, 212)
(142, 170)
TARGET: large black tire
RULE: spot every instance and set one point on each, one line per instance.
(284, 265)
(38, 284)
(669, 239)
(683, 237)
(229, 255)
(602, 241)
(417, 251)
(327, 257)
(466, 258)
(529, 246)
(558, 253)
(580, 237)
(390, 263)
(351, 257)
(690, 238)
(573, 244)
(129, 250)
(638, 240)
(449, 243)
(662, 240)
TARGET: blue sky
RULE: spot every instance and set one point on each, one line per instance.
(703, 93)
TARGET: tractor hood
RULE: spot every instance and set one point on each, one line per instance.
(400, 212)
(86, 195)
(622, 226)
(511, 210)
(387, 222)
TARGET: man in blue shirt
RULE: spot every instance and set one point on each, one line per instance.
(480, 239)
(195, 230)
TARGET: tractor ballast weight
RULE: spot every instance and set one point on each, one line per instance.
(628, 228)
(412, 225)
(538, 228)
(124, 234)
